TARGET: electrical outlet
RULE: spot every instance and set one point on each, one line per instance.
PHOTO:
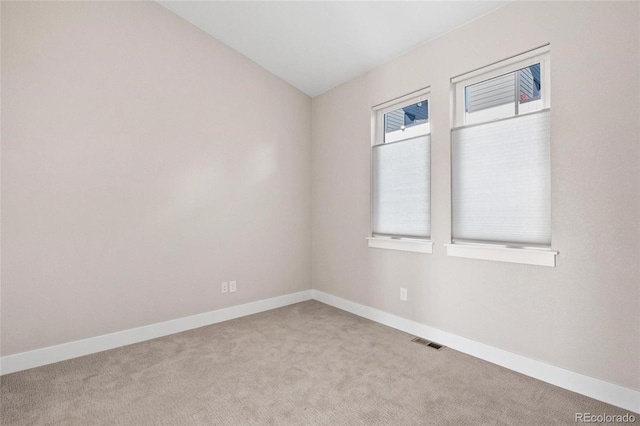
(232, 286)
(403, 294)
(225, 287)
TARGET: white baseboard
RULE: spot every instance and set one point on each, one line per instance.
(619, 396)
(610, 393)
(51, 354)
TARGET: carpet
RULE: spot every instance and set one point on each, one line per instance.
(304, 364)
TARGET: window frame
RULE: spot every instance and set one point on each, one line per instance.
(525, 254)
(393, 242)
(540, 55)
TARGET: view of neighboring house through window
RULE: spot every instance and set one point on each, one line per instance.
(507, 95)
(406, 122)
(401, 159)
(501, 155)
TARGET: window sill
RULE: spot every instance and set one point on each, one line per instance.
(503, 254)
(403, 244)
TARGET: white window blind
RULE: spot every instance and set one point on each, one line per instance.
(401, 190)
(501, 181)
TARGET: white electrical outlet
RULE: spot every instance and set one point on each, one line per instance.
(225, 287)
(232, 286)
(403, 294)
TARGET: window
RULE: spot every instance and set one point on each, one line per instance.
(400, 175)
(500, 152)
(507, 95)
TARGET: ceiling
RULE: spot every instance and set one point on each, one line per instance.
(317, 45)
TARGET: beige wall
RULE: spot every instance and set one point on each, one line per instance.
(582, 315)
(143, 163)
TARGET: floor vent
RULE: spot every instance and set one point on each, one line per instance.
(427, 343)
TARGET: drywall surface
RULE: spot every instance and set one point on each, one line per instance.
(582, 315)
(143, 163)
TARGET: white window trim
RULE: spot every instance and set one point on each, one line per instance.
(497, 252)
(378, 111)
(528, 256)
(403, 244)
(377, 137)
(539, 55)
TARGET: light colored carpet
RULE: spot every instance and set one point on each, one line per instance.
(307, 364)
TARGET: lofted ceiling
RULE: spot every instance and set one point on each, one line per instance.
(317, 45)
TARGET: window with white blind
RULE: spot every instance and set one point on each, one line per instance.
(400, 175)
(501, 166)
